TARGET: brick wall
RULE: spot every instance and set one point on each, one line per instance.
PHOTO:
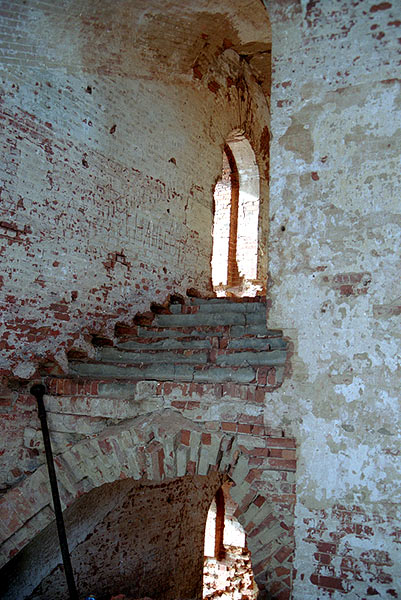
(105, 132)
(158, 447)
(112, 148)
(110, 160)
(334, 254)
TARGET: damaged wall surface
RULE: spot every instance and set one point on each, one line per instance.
(86, 160)
(334, 261)
(114, 121)
(113, 550)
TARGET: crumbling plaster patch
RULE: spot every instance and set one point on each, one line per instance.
(344, 466)
(334, 260)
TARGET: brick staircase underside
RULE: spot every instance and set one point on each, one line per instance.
(181, 391)
(210, 341)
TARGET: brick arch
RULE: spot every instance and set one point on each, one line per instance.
(158, 447)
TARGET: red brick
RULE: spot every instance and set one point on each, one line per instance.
(244, 428)
(260, 395)
(331, 583)
(289, 454)
(326, 547)
(259, 452)
(168, 387)
(281, 442)
(212, 425)
(105, 446)
(271, 377)
(255, 461)
(206, 439)
(185, 437)
(179, 404)
(252, 475)
(262, 374)
(281, 463)
(259, 501)
(275, 452)
(280, 571)
(324, 559)
(283, 554)
(192, 405)
(226, 426)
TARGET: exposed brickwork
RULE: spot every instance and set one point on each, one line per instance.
(337, 566)
(138, 557)
(334, 284)
(215, 340)
(159, 448)
(97, 216)
(231, 576)
(114, 121)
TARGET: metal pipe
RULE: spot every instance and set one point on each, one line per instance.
(39, 390)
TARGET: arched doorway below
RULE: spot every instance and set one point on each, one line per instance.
(227, 572)
(236, 221)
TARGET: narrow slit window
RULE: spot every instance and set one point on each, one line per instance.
(236, 222)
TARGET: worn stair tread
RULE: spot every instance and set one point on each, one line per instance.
(203, 331)
(255, 358)
(105, 387)
(254, 330)
(227, 300)
(166, 344)
(166, 372)
(213, 340)
(199, 319)
(235, 307)
(257, 343)
(224, 357)
(243, 343)
(110, 354)
(179, 332)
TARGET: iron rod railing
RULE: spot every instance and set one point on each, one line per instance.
(39, 390)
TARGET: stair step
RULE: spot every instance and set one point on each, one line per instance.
(187, 333)
(180, 345)
(165, 372)
(210, 319)
(213, 306)
(266, 359)
(227, 300)
(257, 343)
(192, 343)
(238, 331)
(240, 358)
(181, 333)
(168, 343)
(110, 354)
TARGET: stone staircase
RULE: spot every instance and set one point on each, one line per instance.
(196, 340)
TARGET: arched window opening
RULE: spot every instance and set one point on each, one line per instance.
(236, 222)
(227, 566)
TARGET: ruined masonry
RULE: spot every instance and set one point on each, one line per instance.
(202, 341)
(127, 128)
(157, 388)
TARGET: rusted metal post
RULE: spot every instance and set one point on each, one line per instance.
(39, 390)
